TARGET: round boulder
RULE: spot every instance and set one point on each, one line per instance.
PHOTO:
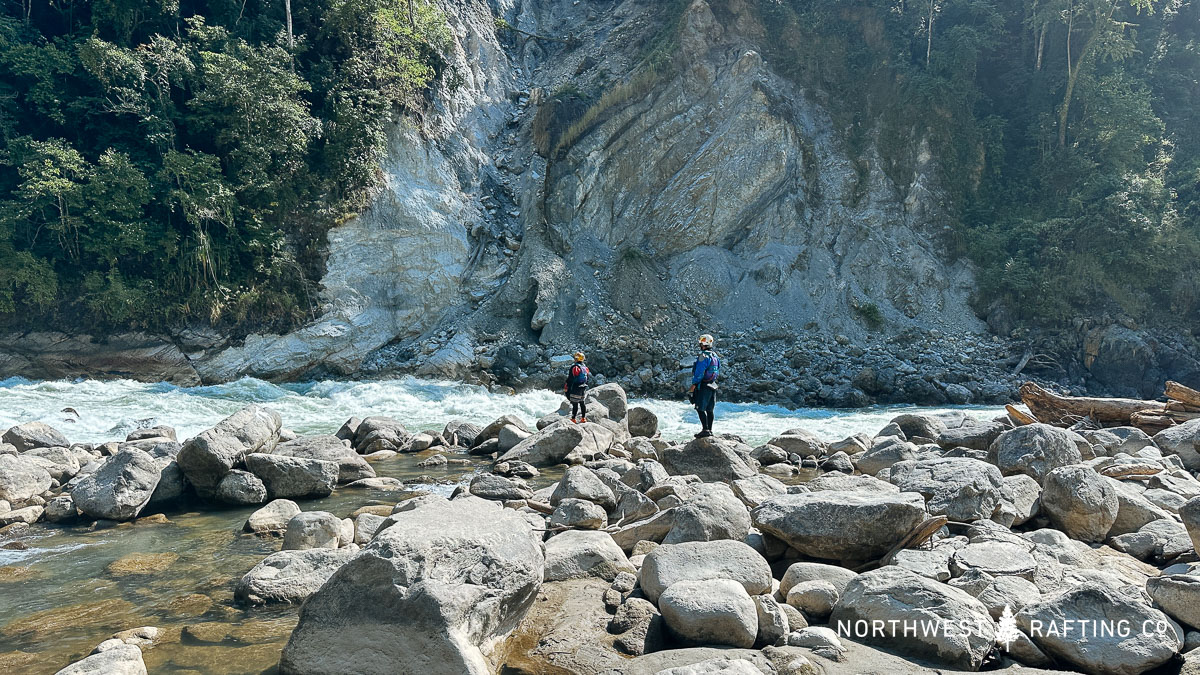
(710, 612)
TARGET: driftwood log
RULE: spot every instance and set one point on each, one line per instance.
(1185, 395)
(1019, 418)
(1052, 408)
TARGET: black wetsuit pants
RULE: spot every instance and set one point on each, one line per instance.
(705, 401)
(578, 409)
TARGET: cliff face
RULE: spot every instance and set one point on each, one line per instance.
(711, 195)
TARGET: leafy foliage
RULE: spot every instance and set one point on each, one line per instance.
(1065, 131)
(172, 160)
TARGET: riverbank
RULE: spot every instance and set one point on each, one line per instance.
(608, 564)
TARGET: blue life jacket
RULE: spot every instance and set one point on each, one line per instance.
(706, 368)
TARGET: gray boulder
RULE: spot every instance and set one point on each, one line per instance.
(559, 443)
(125, 659)
(582, 483)
(1110, 652)
(579, 555)
(381, 433)
(959, 488)
(895, 594)
(710, 612)
(460, 433)
(712, 459)
(641, 422)
(1022, 494)
(499, 488)
(312, 529)
(840, 482)
(1181, 440)
(840, 525)
(713, 512)
(801, 572)
(1035, 450)
(579, 513)
(63, 463)
(242, 488)
(21, 479)
(119, 489)
(293, 477)
(290, 576)
(883, 453)
(696, 561)
(351, 465)
(1134, 511)
(1178, 595)
(445, 580)
(1080, 502)
(61, 509)
(800, 442)
(612, 397)
(274, 517)
(973, 435)
(492, 431)
(206, 458)
(30, 435)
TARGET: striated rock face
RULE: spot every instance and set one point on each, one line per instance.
(713, 197)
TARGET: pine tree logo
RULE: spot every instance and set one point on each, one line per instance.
(1006, 628)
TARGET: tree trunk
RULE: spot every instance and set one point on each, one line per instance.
(1064, 411)
(287, 6)
(929, 38)
(412, 15)
(1041, 46)
(1099, 25)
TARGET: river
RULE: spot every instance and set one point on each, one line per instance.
(66, 589)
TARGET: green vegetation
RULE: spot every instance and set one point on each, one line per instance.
(1066, 131)
(869, 312)
(169, 160)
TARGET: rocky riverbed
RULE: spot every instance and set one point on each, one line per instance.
(605, 548)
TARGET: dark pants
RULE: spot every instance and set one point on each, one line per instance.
(705, 401)
(578, 409)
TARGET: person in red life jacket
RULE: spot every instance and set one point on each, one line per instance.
(576, 388)
(704, 384)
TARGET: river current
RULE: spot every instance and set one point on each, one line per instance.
(63, 590)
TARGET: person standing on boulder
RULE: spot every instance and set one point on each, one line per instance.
(704, 384)
(576, 388)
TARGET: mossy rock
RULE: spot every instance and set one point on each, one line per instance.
(142, 563)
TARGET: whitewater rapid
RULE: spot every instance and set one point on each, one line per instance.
(108, 410)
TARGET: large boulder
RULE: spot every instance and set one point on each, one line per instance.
(580, 554)
(559, 443)
(696, 561)
(274, 517)
(293, 477)
(120, 488)
(612, 397)
(1080, 502)
(32, 435)
(380, 433)
(973, 435)
(1178, 595)
(712, 512)
(894, 596)
(883, 453)
(1035, 450)
(241, 488)
(959, 488)
(63, 464)
(351, 465)
(801, 572)
(1182, 439)
(711, 458)
(433, 591)
(498, 488)
(841, 525)
(290, 576)
(460, 433)
(206, 458)
(710, 612)
(313, 529)
(582, 483)
(801, 442)
(641, 422)
(1078, 628)
(21, 479)
(125, 659)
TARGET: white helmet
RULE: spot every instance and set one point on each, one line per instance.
(706, 340)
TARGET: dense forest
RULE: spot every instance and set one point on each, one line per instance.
(1067, 131)
(164, 161)
(170, 160)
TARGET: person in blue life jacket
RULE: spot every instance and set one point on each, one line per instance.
(704, 384)
(576, 388)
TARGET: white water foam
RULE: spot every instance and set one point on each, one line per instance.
(109, 410)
